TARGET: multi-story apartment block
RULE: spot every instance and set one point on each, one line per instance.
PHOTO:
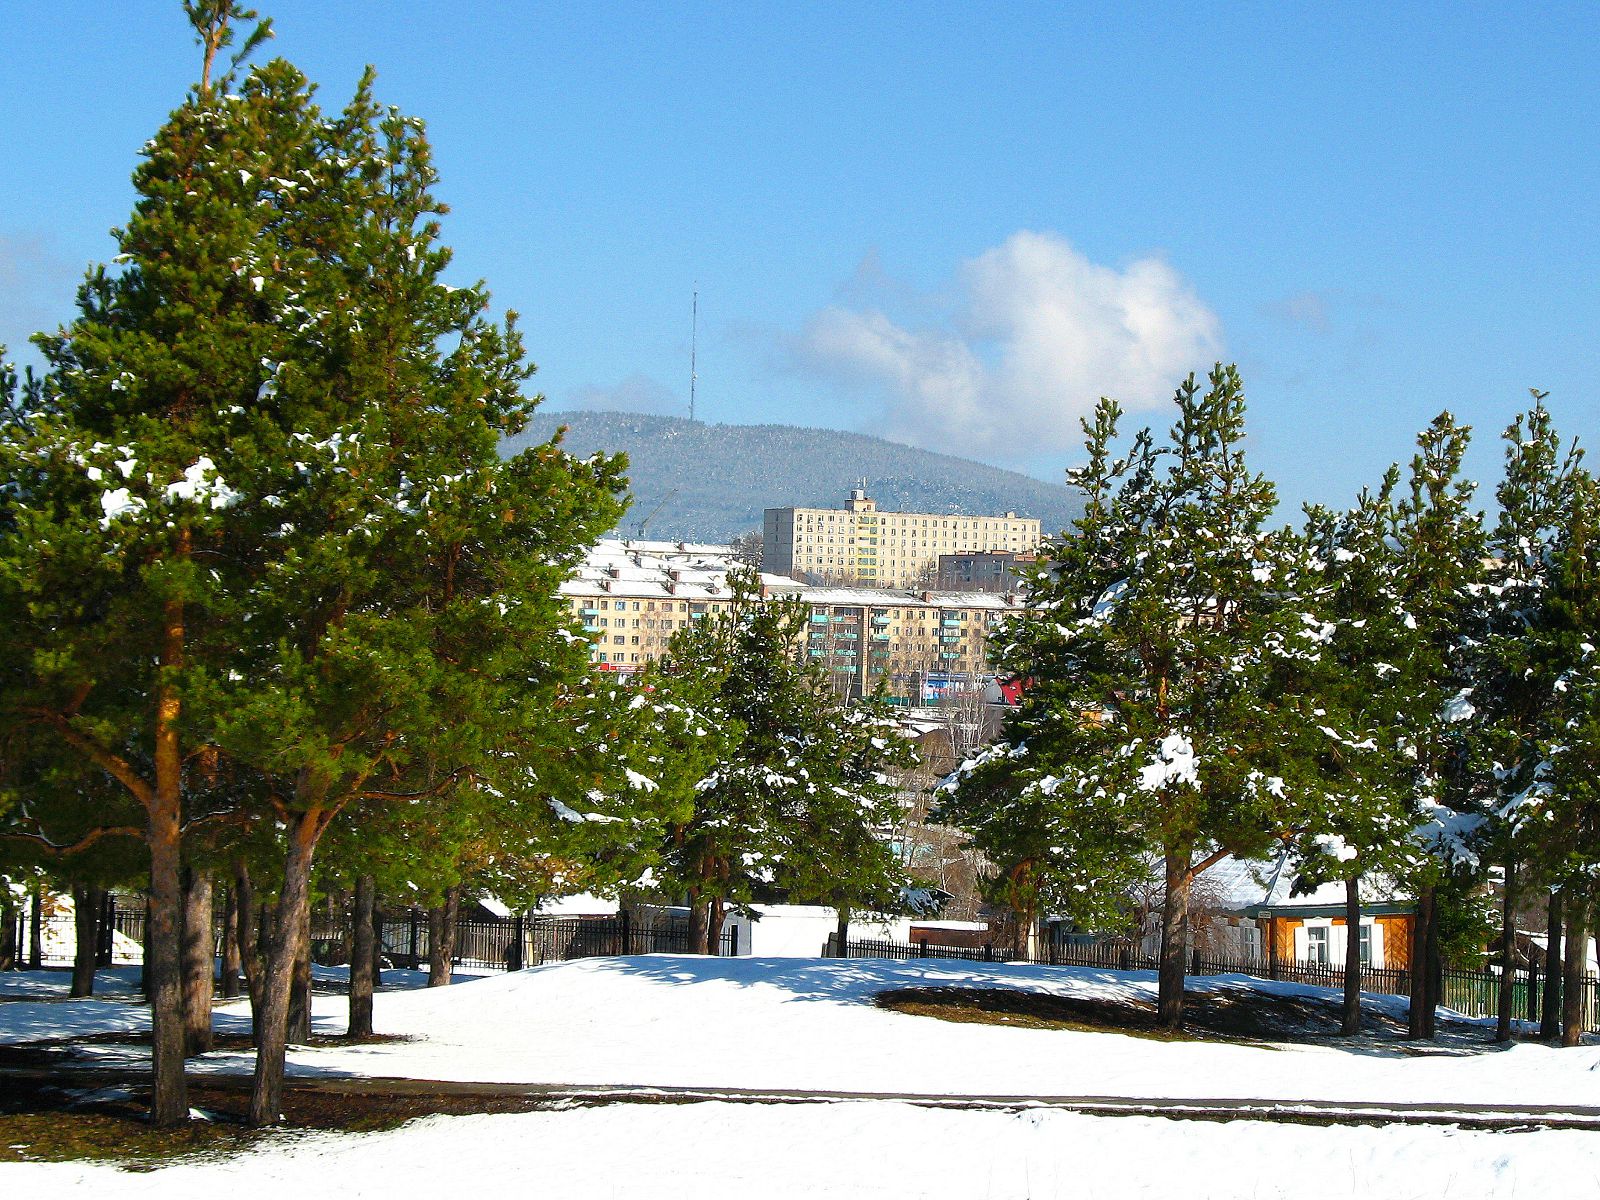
(632, 597)
(860, 545)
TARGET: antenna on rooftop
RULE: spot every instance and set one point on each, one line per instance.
(694, 339)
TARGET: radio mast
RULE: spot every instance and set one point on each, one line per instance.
(694, 338)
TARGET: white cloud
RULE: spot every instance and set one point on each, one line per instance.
(1035, 336)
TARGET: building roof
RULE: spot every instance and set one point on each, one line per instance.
(1248, 886)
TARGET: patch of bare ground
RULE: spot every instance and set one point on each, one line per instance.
(1234, 1014)
(51, 1121)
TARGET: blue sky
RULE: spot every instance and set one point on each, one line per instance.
(950, 224)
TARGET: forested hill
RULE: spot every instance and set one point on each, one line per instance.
(711, 482)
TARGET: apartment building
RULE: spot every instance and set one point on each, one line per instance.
(631, 598)
(860, 545)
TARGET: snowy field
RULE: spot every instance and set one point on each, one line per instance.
(809, 1024)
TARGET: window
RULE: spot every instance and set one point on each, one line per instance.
(1366, 945)
(1317, 943)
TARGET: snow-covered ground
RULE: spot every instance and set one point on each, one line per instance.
(799, 1024)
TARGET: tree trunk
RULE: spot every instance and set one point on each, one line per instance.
(363, 957)
(230, 942)
(841, 934)
(377, 940)
(251, 932)
(1508, 951)
(86, 903)
(1417, 1011)
(36, 928)
(1174, 945)
(1550, 1015)
(288, 928)
(442, 937)
(1350, 1024)
(298, 1030)
(1574, 968)
(1430, 1011)
(699, 922)
(199, 961)
(163, 972)
(8, 930)
(716, 910)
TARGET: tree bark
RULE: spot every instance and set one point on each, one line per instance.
(1574, 969)
(1350, 1024)
(363, 957)
(298, 1031)
(841, 934)
(199, 961)
(442, 937)
(288, 928)
(250, 932)
(36, 928)
(1174, 965)
(1430, 1011)
(1508, 951)
(699, 922)
(716, 910)
(8, 930)
(230, 942)
(1416, 1013)
(86, 904)
(1550, 1014)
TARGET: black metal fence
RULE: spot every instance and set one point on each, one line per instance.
(1468, 992)
(507, 943)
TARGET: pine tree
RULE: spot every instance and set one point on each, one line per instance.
(1360, 691)
(794, 795)
(358, 605)
(1155, 726)
(114, 562)
(1514, 677)
(1440, 541)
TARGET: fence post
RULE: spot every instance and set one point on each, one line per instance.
(1194, 961)
(922, 948)
(627, 932)
(988, 952)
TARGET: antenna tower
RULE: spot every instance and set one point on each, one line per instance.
(694, 339)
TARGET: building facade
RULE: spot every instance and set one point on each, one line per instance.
(860, 545)
(925, 645)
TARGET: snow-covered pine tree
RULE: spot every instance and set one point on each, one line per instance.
(1156, 725)
(794, 794)
(1556, 813)
(1514, 677)
(1358, 691)
(1440, 540)
(120, 552)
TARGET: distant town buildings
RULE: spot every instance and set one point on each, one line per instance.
(631, 597)
(860, 545)
(983, 571)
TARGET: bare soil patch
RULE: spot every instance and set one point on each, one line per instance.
(1236, 1014)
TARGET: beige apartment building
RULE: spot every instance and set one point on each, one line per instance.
(632, 597)
(860, 545)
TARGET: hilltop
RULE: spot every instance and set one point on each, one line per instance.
(711, 482)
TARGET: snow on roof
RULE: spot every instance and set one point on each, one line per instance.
(1270, 883)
